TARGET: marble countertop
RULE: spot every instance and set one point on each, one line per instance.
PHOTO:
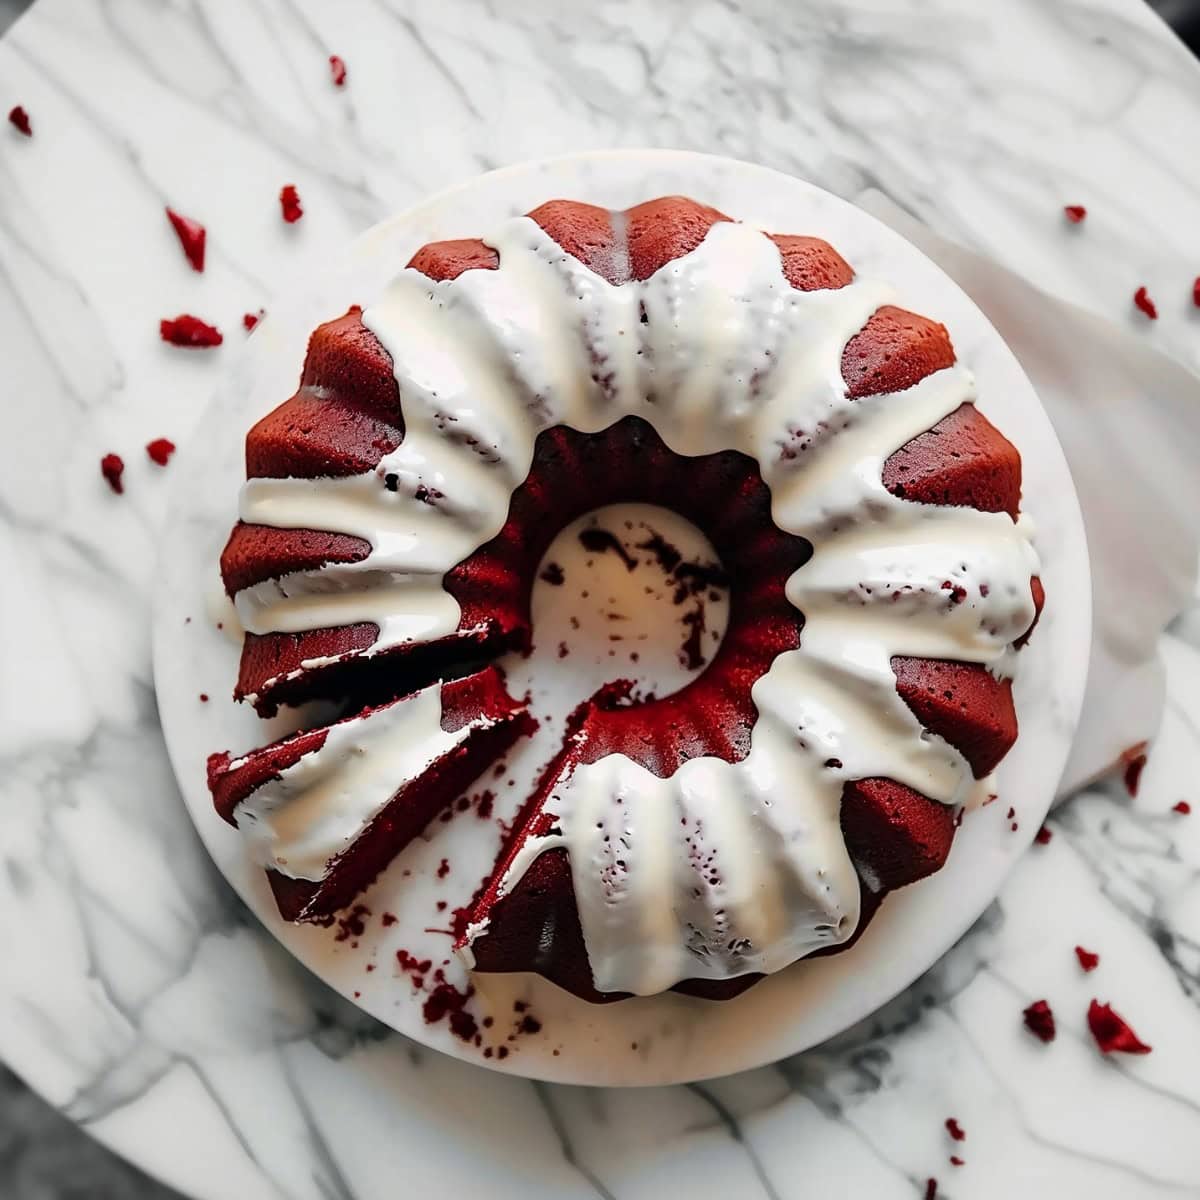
(136, 995)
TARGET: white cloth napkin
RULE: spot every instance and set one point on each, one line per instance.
(1128, 419)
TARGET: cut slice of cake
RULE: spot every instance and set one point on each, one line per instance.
(327, 810)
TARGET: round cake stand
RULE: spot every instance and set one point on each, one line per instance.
(645, 1041)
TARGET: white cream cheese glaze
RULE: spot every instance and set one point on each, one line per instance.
(724, 868)
(301, 820)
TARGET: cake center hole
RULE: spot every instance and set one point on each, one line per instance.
(628, 591)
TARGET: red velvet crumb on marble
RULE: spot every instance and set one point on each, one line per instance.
(1143, 303)
(249, 320)
(1112, 1032)
(1074, 213)
(189, 331)
(1133, 760)
(1196, 292)
(19, 119)
(289, 203)
(1182, 807)
(192, 237)
(1039, 1020)
(337, 70)
(1087, 960)
(955, 1130)
(1043, 836)
(160, 450)
(955, 1161)
(112, 467)
(931, 1188)
(203, 697)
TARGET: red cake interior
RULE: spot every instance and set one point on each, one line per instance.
(478, 700)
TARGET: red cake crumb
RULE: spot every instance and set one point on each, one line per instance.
(1196, 292)
(411, 965)
(19, 118)
(958, 593)
(1039, 1020)
(443, 868)
(337, 69)
(1014, 827)
(203, 697)
(931, 1189)
(447, 1001)
(502, 1052)
(352, 924)
(1133, 760)
(666, 554)
(520, 1006)
(186, 330)
(1112, 1032)
(160, 450)
(1012, 812)
(1074, 213)
(463, 1026)
(955, 1130)
(388, 920)
(529, 1024)
(289, 203)
(600, 541)
(192, 236)
(689, 653)
(1141, 299)
(553, 574)
(1182, 807)
(249, 320)
(1087, 960)
(484, 803)
(1043, 836)
(460, 918)
(441, 906)
(955, 1161)
(112, 466)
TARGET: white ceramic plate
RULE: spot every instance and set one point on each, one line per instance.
(656, 1040)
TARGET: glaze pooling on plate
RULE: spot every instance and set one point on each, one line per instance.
(723, 868)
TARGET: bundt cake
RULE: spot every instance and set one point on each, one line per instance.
(398, 507)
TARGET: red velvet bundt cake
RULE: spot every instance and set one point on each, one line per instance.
(396, 513)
